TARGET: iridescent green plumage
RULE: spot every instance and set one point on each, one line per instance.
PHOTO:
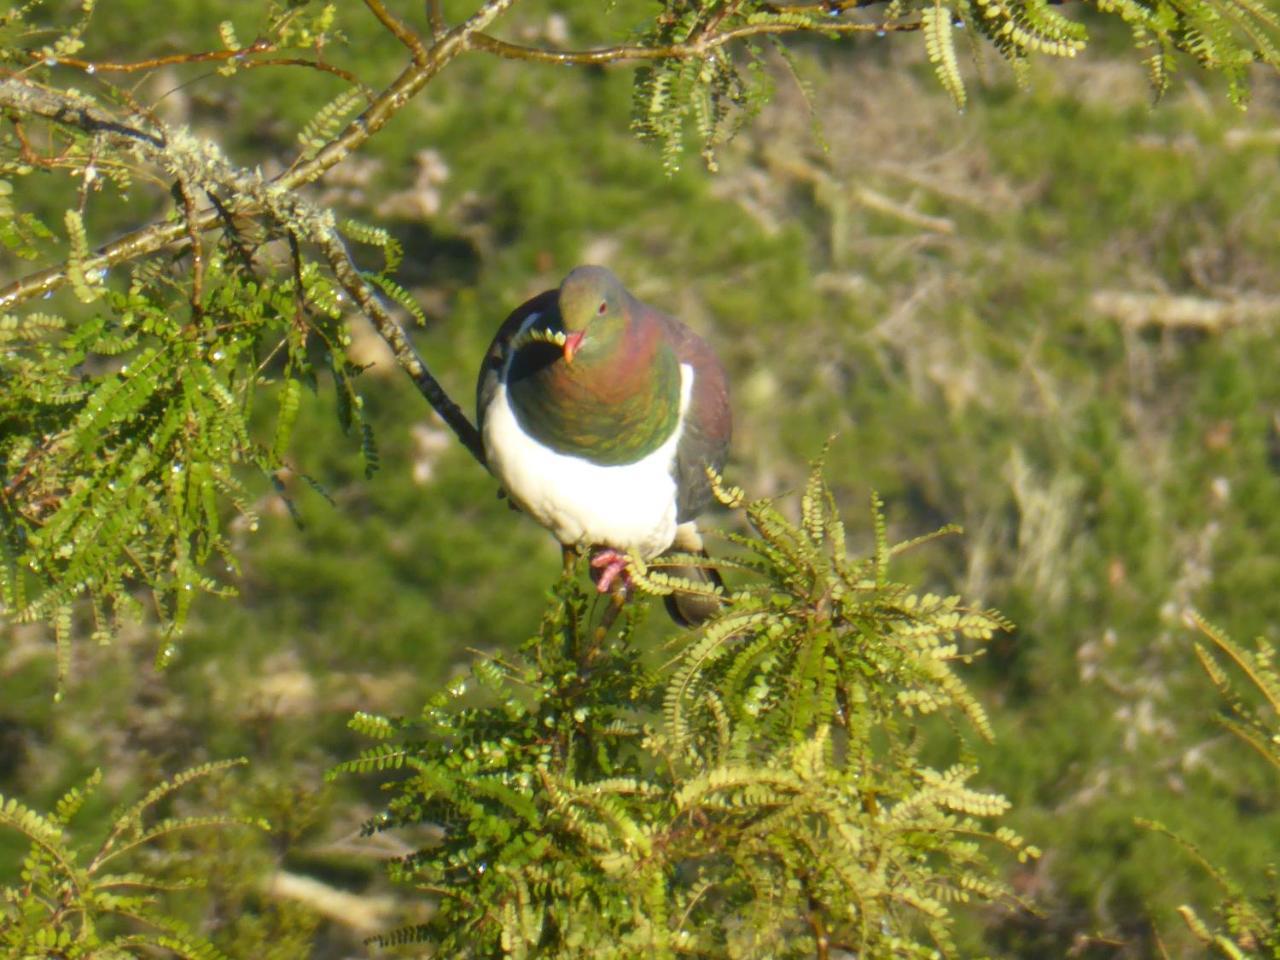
(601, 417)
(619, 398)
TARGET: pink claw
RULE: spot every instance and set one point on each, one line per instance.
(612, 564)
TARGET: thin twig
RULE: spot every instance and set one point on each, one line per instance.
(106, 66)
(675, 51)
(435, 17)
(717, 18)
(397, 29)
(829, 7)
(25, 150)
(197, 247)
(204, 56)
(348, 276)
(821, 941)
(346, 75)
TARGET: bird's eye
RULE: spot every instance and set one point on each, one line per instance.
(603, 308)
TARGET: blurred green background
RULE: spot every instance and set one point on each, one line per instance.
(1050, 319)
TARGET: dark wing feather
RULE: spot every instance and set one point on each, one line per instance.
(708, 423)
(495, 357)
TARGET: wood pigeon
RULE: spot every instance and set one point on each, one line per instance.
(600, 416)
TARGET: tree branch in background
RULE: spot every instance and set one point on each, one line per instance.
(158, 235)
(194, 163)
(200, 167)
(630, 53)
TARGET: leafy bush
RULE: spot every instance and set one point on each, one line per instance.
(762, 793)
(1250, 925)
(73, 899)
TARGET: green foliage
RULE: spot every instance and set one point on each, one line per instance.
(1250, 924)
(328, 121)
(711, 92)
(129, 441)
(761, 794)
(130, 434)
(75, 899)
(719, 87)
(87, 287)
(20, 231)
(1259, 728)
(1225, 36)
(925, 287)
(23, 25)
(133, 431)
(940, 44)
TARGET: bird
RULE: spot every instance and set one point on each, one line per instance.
(600, 416)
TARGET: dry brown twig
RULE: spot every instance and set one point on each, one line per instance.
(246, 55)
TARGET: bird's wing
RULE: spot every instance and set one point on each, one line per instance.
(708, 421)
(495, 357)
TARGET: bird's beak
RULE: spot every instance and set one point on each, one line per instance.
(571, 344)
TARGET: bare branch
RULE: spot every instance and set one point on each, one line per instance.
(106, 66)
(348, 275)
(675, 51)
(22, 97)
(320, 65)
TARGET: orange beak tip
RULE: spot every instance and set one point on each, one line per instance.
(571, 344)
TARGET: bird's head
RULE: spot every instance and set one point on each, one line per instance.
(593, 310)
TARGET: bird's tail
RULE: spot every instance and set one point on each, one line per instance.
(687, 608)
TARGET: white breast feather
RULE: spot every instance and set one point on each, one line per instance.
(629, 506)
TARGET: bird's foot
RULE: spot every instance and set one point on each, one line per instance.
(607, 566)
